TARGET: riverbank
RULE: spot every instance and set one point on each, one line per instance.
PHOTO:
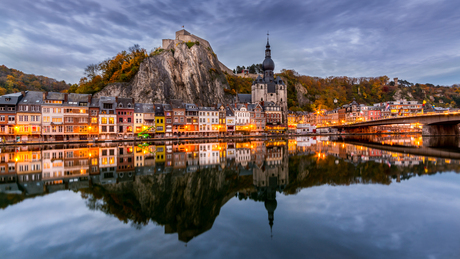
(199, 138)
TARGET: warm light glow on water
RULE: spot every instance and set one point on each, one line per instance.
(308, 197)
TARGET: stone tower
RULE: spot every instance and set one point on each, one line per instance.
(269, 88)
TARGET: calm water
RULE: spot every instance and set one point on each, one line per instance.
(364, 197)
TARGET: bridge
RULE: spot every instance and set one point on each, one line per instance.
(428, 151)
(433, 124)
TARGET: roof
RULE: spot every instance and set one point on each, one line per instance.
(34, 97)
(55, 96)
(125, 103)
(138, 107)
(191, 107)
(252, 106)
(148, 108)
(207, 109)
(229, 112)
(94, 102)
(13, 98)
(159, 111)
(244, 98)
(76, 99)
(107, 99)
(167, 107)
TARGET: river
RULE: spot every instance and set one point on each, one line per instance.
(380, 196)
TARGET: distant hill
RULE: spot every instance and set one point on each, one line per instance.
(12, 80)
(311, 93)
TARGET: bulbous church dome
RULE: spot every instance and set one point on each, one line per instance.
(268, 64)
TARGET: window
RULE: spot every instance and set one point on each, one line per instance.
(103, 120)
(129, 120)
(104, 129)
(94, 120)
(111, 120)
(120, 120)
(111, 129)
(107, 106)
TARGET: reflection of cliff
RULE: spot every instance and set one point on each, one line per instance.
(187, 204)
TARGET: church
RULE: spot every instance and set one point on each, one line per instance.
(267, 88)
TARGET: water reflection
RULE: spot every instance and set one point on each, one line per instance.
(183, 185)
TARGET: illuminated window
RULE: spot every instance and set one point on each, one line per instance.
(103, 120)
(104, 160)
(111, 120)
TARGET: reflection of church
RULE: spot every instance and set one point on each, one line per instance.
(272, 176)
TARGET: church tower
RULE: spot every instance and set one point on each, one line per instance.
(269, 89)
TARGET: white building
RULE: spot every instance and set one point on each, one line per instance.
(208, 121)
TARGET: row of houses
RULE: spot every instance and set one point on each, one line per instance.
(52, 116)
(354, 112)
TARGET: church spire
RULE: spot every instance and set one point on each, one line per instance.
(267, 47)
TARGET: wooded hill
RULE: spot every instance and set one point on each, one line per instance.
(310, 93)
(12, 80)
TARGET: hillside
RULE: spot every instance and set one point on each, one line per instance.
(12, 80)
(310, 93)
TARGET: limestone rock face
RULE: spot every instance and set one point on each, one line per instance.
(301, 94)
(192, 74)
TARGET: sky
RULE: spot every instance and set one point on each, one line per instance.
(414, 40)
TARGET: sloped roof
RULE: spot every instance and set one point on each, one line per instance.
(244, 98)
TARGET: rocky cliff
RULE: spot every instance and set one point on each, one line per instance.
(189, 71)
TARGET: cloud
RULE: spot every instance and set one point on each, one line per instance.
(413, 40)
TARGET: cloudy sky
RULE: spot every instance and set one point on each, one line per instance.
(415, 40)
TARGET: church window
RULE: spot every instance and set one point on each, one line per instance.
(262, 99)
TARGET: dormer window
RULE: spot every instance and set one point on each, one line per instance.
(120, 105)
(129, 105)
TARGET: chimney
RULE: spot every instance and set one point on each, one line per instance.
(89, 99)
(66, 97)
(44, 95)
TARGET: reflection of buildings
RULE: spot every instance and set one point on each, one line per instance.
(213, 171)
